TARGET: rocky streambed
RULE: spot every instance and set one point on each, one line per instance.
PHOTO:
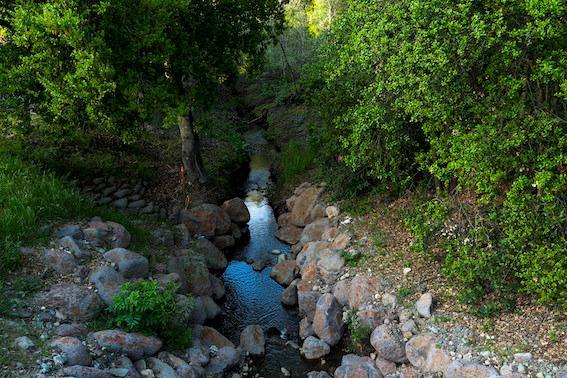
(87, 261)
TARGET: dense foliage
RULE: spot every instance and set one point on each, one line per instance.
(474, 94)
(144, 306)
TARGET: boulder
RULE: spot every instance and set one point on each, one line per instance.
(107, 281)
(130, 264)
(193, 273)
(328, 320)
(315, 230)
(305, 209)
(83, 372)
(329, 265)
(309, 252)
(223, 242)
(289, 234)
(207, 220)
(223, 361)
(284, 272)
(388, 341)
(181, 368)
(123, 362)
(209, 336)
(423, 353)
(76, 302)
(353, 366)
(469, 369)
(424, 305)
(306, 329)
(77, 353)
(313, 348)
(340, 292)
(289, 295)
(214, 258)
(252, 340)
(160, 368)
(61, 261)
(236, 210)
(71, 245)
(362, 289)
(134, 345)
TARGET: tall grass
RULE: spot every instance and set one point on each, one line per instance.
(296, 158)
(30, 198)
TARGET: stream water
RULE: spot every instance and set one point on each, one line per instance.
(252, 297)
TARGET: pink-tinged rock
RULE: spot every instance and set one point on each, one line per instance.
(290, 202)
(362, 289)
(307, 303)
(341, 242)
(77, 353)
(424, 305)
(83, 372)
(340, 292)
(328, 319)
(214, 257)
(60, 261)
(236, 210)
(206, 220)
(373, 317)
(330, 234)
(423, 353)
(309, 252)
(305, 208)
(134, 345)
(386, 367)
(130, 264)
(284, 272)
(329, 265)
(389, 343)
(252, 340)
(74, 301)
(353, 366)
(469, 369)
(315, 230)
(285, 220)
(209, 336)
(289, 234)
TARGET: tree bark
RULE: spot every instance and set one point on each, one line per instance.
(191, 152)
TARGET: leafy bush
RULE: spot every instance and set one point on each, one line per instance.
(474, 94)
(357, 329)
(145, 307)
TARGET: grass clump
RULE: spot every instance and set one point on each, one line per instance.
(296, 158)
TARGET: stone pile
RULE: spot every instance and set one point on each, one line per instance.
(404, 341)
(123, 195)
(85, 266)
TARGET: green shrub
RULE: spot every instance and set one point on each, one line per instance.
(296, 158)
(358, 331)
(145, 307)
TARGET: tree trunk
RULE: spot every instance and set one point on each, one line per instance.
(191, 152)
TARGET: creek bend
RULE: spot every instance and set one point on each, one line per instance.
(253, 297)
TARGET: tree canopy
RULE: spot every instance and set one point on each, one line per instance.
(472, 93)
(112, 64)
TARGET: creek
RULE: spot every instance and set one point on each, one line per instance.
(252, 297)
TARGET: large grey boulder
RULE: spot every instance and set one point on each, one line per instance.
(315, 230)
(328, 320)
(389, 343)
(206, 220)
(329, 265)
(193, 273)
(107, 281)
(313, 348)
(77, 353)
(130, 264)
(289, 234)
(252, 340)
(289, 295)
